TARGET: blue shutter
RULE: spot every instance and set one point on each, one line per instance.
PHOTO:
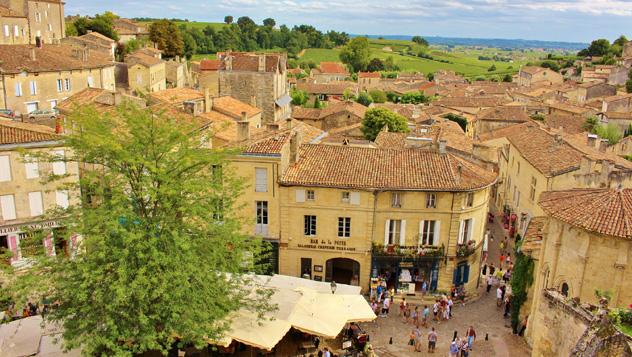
(466, 273)
(455, 276)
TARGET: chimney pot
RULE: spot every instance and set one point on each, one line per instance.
(603, 144)
(33, 56)
(288, 122)
(244, 116)
(208, 102)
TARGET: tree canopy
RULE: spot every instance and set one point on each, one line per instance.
(168, 37)
(228, 20)
(160, 255)
(376, 119)
(420, 41)
(101, 23)
(356, 54)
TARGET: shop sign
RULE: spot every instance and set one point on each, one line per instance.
(338, 245)
(27, 227)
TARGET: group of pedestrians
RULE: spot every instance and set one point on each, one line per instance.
(461, 346)
(13, 312)
(416, 339)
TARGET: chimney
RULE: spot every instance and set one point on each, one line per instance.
(33, 57)
(295, 143)
(288, 122)
(262, 63)
(442, 145)
(586, 165)
(208, 101)
(253, 101)
(58, 127)
(85, 54)
(603, 144)
(592, 140)
(244, 116)
(273, 126)
(243, 130)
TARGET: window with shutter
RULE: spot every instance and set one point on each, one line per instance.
(7, 205)
(5, 168)
(310, 225)
(300, 195)
(59, 166)
(261, 179)
(18, 89)
(355, 198)
(31, 166)
(60, 85)
(33, 87)
(35, 203)
(61, 198)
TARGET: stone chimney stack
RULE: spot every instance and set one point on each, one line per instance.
(592, 140)
(288, 122)
(262, 63)
(442, 146)
(253, 101)
(33, 56)
(243, 130)
(603, 144)
(208, 101)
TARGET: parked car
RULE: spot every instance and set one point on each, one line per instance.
(7, 113)
(43, 114)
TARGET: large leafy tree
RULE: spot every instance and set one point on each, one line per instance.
(160, 258)
(420, 41)
(375, 119)
(168, 37)
(356, 54)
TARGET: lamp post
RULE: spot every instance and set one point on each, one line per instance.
(333, 286)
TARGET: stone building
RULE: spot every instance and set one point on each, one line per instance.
(93, 41)
(25, 194)
(533, 159)
(44, 18)
(129, 30)
(368, 80)
(335, 115)
(14, 27)
(259, 80)
(329, 72)
(350, 214)
(175, 74)
(498, 117)
(530, 75)
(592, 90)
(41, 77)
(145, 73)
(584, 247)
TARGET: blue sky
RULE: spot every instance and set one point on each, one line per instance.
(579, 20)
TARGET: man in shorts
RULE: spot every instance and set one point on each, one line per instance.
(432, 340)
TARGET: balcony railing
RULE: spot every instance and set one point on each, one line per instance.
(408, 251)
(465, 249)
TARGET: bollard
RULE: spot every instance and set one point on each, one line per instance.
(390, 341)
(486, 337)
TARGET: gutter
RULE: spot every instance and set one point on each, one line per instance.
(38, 144)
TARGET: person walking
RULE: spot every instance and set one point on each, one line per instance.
(426, 314)
(385, 307)
(417, 340)
(499, 296)
(490, 281)
(454, 348)
(402, 307)
(415, 316)
(470, 334)
(507, 306)
(412, 340)
(432, 340)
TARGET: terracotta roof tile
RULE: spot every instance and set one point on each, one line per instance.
(533, 235)
(141, 58)
(332, 68)
(233, 107)
(475, 102)
(210, 64)
(531, 69)
(368, 168)
(332, 88)
(49, 58)
(369, 75)
(177, 95)
(12, 132)
(504, 114)
(331, 109)
(603, 211)
(269, 142)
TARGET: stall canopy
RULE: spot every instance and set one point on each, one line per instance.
(305, 305)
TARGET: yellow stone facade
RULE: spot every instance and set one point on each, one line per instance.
(147, 78)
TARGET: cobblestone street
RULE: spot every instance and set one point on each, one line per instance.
(482, 313)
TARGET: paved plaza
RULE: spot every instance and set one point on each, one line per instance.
(482, 313)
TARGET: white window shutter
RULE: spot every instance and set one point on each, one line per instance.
(421, 232)
(261, 179)
(7, 206)
(462, 225)
(31, 167)
(300, 195)
(354, 198)
(471, 230)
(61, 198)
(402, 233)
(59, 167)
(386, 226)
(437, 233)
(35, 203)
(5, 168)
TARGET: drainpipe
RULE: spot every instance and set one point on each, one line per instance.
(4, 91)
(375, 193)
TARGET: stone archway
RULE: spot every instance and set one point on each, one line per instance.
(343, 271)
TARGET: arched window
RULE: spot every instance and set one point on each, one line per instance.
(565, 289)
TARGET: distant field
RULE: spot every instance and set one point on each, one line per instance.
(466, 63)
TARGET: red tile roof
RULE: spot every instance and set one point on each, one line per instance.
(604, 211)
(369, 75)
(333, 68)
(50, 58)
(210, 64)
(12, 132)
(368, 168)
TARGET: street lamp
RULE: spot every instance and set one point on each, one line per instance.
(333, 286)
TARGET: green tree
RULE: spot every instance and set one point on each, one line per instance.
(317, 103)
(81, 25)
(430, 76)
(160, 255)
(521, 280)
(168, 37)
(356, 54)
(507, 78)
(104, 24)
(551, 65)
(420, 41)
(621, 41)
(71, 29)
(599, 47)
(610, 131)
(414, 98)
(365, 99)
(228, 20)
(591, 124)
(269, 22)
(457, 119)
(376, 118)
(378, 96)
(299, 97)
(375, 65)
(491, 68)
(628, 86)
